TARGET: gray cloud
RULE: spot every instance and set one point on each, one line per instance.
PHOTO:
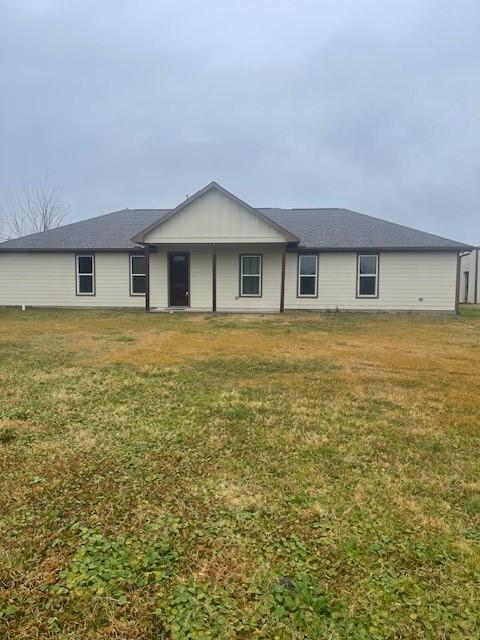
(372, 105)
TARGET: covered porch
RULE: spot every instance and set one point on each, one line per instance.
(209, 277)
(214, 252)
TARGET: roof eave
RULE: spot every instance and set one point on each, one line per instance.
(293, 246)
(456, 249)
(69, 250)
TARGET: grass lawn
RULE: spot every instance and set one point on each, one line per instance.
(185, 476)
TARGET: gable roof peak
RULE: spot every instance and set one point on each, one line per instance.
(208, 187)
(289, 236)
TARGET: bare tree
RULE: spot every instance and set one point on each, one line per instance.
(33, 209)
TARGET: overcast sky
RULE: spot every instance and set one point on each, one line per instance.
(372, 105)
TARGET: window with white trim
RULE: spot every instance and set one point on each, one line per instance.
(251, 276)
(367, 276)
(307, 276)
(138, 275)
(85, 268)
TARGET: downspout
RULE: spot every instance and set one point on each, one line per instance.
(457, 289)
(147, 277)
(475, 299)
(214, 278)
(282, 284)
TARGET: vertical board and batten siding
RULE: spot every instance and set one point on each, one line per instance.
(408, 281)
(48, 280)
(214, 218)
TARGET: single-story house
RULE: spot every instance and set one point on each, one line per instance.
(215, 252)
(470, 277)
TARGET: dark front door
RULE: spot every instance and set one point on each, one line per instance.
(178, 269)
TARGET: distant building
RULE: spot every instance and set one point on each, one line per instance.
(470, 277)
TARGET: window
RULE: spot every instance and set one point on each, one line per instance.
(367, 278)
(307, 276)
(137, 276)
(251, 276)
(85, 275)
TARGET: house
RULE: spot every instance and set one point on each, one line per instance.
(470, 277)
(214, 252)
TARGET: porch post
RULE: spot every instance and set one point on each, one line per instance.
(147, 277)
(282, 285)
(457, 291)
(214, 278)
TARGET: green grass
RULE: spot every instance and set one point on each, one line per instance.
(297, 476)
(470, 310)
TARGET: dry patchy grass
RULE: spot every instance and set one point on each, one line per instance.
(296, 476)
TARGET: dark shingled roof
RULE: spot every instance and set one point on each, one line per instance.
(327, 229)
(346, 229)
(110, 231)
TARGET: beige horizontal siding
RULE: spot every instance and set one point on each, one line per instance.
(417, 281)
(48, 279)
(228, 279)
(408, 281)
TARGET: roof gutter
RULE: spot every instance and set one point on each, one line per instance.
(138, 248)
(291, 247)
(454, 249)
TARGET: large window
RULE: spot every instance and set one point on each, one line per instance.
(367, 276)
(85, 268)
(307, 286)
(251, 276)
(137, 276)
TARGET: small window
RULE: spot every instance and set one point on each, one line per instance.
(137, 276)
(251, 276)
(367, 280)
(85, 275)
(307, 276)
